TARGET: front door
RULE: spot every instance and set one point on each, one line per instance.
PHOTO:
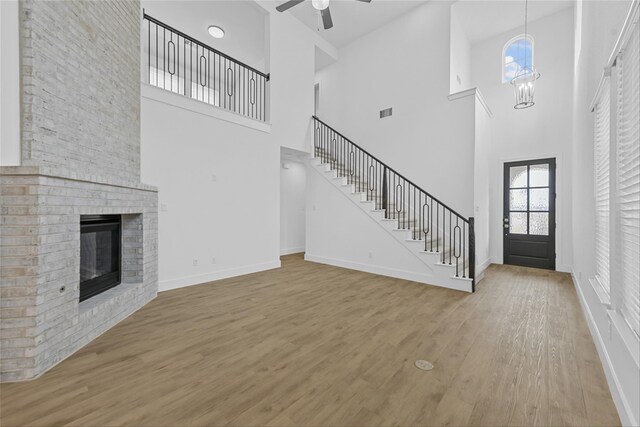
(529, 221)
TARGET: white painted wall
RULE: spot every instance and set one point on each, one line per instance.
(219, 174)
(460, 61)
(9, 84)
(292, 71)
(340, 233)
(542, 131)
(293, 184)
(219, 184)
(597, 27)
(427, 136)
(482, 184)
(429, 139)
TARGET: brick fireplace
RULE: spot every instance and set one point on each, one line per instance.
(80, 156)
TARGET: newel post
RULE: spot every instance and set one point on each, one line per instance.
(472, 253)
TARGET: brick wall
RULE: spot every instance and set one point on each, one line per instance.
(41, 318)
(80, 156)
(81, 86)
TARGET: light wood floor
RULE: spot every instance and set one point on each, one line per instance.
(316, 345)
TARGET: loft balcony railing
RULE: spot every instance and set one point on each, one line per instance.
(181, 64)
(444, 231)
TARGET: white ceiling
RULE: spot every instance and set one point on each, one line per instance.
(243, 22)
(352, 19)
(483, 19)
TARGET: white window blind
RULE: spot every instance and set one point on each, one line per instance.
(601, 179)
(627, 203)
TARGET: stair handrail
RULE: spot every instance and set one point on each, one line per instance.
(181, 64)
(331, 151)
(393, 170)
(148, 17)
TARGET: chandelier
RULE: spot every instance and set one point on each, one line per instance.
(524, 82)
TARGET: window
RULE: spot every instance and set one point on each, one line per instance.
(601, 148)
(617, 181)
(517, 53)
(626, 207)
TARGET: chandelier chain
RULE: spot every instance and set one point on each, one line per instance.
(526, 16)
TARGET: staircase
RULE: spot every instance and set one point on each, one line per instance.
(433, 232)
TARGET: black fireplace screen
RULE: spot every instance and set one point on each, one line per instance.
(99, 254)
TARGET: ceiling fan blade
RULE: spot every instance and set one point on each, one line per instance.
(288, 5)
(326, 18)
(366, 1)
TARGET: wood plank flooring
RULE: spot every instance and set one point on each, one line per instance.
(310, 344)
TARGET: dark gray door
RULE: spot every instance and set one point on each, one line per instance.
(529, 221)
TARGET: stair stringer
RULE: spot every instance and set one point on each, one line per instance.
(435, 273)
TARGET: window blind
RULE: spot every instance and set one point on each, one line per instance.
(601, 180)
(627, 204)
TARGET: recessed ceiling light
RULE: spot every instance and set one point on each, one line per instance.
(216, 31)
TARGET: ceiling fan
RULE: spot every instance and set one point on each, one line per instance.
(321, 5)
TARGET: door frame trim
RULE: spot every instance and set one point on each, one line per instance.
(498, 253)
(553, 212)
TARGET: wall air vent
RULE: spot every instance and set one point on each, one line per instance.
(386, 113)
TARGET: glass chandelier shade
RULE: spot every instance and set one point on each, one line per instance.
(524, 85)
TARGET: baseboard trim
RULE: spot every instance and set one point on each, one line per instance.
(291, 251)
(619, 398)
(199, 279)
(384, 271)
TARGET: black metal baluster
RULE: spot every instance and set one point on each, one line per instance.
(450, 237)
(340, 148)
(431, 224)
(149, 51)
(164, 55)
(456, 244)
(378, 186)
(472, 254)
(464, 230)
(261, 97)
(409, 206)
(172, 46)
(157, 55)
(321, 143)
(399, 202)
(427, 218)
(385, 192)
(413, 209)
(210, 89)
(324, 145)
(420, 215)
(437, 227)
(323, 153)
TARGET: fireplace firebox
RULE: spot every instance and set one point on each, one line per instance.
(100, 254)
